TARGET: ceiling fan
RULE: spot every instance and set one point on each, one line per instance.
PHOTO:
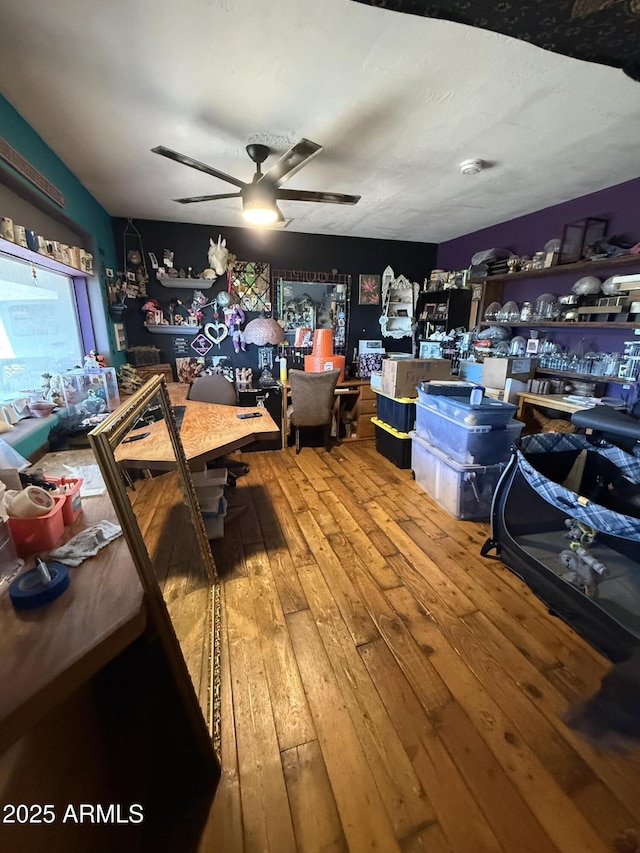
(259, 196)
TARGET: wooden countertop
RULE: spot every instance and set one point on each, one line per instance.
(47, 652)
(208, 430)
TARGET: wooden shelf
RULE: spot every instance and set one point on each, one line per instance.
(577, 324)
(173, 330)
(561, 269)
(186, 283)
(583, 377)
(9, 248)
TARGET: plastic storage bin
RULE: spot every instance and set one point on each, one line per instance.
(489, 412)
(464, 491)
(88, 392)
(32, 535)
(467, 444)
(397, 412)
(72, 506)
(214, 520)
(393, 445)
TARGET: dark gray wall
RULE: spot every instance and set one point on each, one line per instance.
(283, 250)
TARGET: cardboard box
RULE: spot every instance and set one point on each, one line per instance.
(400, 377)
(498, 370)
(494, 372)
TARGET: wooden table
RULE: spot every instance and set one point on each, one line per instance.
(45, 652)
(545, 401)
(96, 705)
(208, 431)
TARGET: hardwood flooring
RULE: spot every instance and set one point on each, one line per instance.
(385, 688)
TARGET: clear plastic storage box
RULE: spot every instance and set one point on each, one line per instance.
(466, 443)
(464, 491)
(88, 392)
(489, 412)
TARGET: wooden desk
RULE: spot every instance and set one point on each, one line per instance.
(545, 401)
(208, 431)
(95, 709)
(47, 652)
(352, 395)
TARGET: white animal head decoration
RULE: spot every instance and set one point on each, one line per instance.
(218, 255)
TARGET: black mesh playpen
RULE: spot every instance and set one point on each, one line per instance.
(566, 519)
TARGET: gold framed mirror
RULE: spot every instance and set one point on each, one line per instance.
(158, 510)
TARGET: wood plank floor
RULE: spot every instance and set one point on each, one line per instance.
(385, 688)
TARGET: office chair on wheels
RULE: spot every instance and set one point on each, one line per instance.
(217, 389)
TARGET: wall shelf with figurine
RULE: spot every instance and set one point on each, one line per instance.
(561, 269)
(561, 324)
(7, 247)
(181, 329)
(186, 283)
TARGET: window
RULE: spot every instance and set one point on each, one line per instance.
(39, 326)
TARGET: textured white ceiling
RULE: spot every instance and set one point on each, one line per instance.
(397, 101)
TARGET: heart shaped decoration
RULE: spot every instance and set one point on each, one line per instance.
(216, 332)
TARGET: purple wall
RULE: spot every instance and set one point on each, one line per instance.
(528, 234)
(620, 205)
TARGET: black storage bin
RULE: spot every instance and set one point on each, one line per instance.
(392, 444)
(399, 413)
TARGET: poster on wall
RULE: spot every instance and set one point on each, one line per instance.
(189, 368)
(369, 290)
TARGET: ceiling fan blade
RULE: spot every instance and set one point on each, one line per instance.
(195, 198)
(310, 195)
(295, 158)
(196, 164)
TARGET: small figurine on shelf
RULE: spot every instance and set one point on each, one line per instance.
(179, 312)
(244, 378)
(154, 315)
(197, 305)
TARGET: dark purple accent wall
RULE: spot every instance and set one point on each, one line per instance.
(620, 205)
(528, 234)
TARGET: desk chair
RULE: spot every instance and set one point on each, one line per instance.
(213, 389)
(217, 389)
(312, 399)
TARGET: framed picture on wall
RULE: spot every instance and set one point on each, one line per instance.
(369, 290)
(430, 349)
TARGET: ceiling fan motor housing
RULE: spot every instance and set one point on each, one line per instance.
(257, 152)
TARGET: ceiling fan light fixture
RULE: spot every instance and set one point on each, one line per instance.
(259, 204)
(259, 213)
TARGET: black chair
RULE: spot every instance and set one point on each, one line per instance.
(213, 389)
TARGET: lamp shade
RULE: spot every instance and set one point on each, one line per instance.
(263, 331)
